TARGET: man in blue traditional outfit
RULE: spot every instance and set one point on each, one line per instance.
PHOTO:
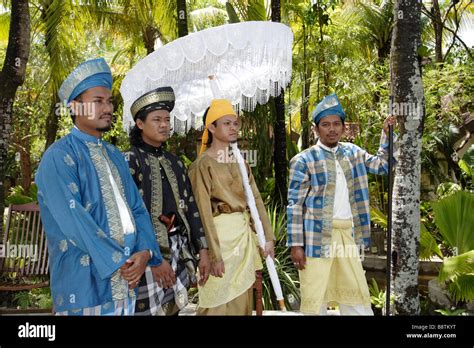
(100, 235)
(328, 214)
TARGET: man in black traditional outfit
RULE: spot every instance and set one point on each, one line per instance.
(163, 182)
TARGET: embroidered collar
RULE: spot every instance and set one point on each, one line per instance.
(157, 151)
(327, 148)
(85, 137)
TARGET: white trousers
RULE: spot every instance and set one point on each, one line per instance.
(349, 310)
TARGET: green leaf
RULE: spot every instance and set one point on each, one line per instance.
(446, 189)
(428, 245)
(462, 289)
(18, 199)
(457, 266)
(449, 312)
(468, 157)
(23, 299)
(466, 168)
(187, 162)
(378, 217)
(424, 51)
(256, 11)
(4, 27)
(455, 220)
(233, 17)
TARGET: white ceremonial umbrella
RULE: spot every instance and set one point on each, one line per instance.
(250, 61)
(244, 62)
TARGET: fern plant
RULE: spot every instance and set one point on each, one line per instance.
(23, 299)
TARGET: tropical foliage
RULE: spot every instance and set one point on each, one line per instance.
(339, 46)
(454, 218)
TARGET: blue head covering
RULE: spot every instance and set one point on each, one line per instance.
(330, 105)
(92, 73)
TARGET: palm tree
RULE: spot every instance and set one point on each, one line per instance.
(407, 89)
(11, 77)
(59, 24)
(63, 24)
(311, 56)
(144, 22)
(375, 23)
(447, 18)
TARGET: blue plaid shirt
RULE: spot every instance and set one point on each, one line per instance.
(311, 193)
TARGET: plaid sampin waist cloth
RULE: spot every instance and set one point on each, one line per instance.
(152, 299)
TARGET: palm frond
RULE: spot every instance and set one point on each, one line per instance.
(4, 27)
(378, 217)
(462, 289)
(240, 7)
(256, 11)
(165, 15)
(55, 22)
(455, 220)
(456, 266)
(428, 244)
(374, 23)
(233, 17)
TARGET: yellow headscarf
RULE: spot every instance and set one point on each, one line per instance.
(219, 108)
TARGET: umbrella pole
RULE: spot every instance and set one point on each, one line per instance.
(389, 219)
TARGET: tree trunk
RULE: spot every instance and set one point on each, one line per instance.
(25, 161)
(23, 147)
(304, 109)
(408, 97)
(11, 77)
(279, 128)
(52, 121)
(438, 31)
(149, 38)
(182, 18)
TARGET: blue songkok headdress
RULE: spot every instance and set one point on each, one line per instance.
(330, 105)
(92, 73)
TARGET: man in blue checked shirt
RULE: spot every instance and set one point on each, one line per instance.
(329, 216)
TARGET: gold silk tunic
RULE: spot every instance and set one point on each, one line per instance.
(218, 189)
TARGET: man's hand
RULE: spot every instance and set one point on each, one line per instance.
(164, 275)
(298, 257)
(390, 120)
(269, 250)
(204, 266)
(134, 267)
(218, 269)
